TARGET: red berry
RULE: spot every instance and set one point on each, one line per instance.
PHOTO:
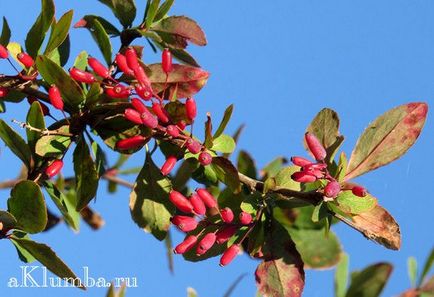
(227, 215)
(119, 91)
(193, 146)
(245, 218)
(144, 92)
(303, 177)
(205, 243)
(3, 92)
(315, 172)
(54, 168)
(359, 191)
(300, 161)
(166, 60)
(131, 143)
(184, 223)
(180, 201)
(181, 124)
(131, 58)
(82, 76)
(138, 105)
(186, 245)
(315, 146)
(172, 130)
(198, 205)
(121, 61)
(207, 198)
(229, 254)
(205, 158)
(142, 78)
(55, 97)
(160, 112)
(133, 116)
(314, 166)
(190, 108)
(168, 165)
(98, 67)
(25, 59)
(3, 52)
(149, 120)
(225, 233)
(44, 108)
(332, 189)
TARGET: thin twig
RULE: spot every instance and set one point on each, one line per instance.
(44, 132)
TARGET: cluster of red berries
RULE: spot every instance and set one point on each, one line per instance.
(313, 171)
(197, 205)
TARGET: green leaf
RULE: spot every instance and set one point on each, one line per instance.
(151, 12)
(59, 32)
(8, 220)
(71, 91)
(23, 254)
(427, 267)
(412, 270)
(226, 117)
(246, 164)
(208, 142)
(350, 203)
(36, 35)
(272, 168)
(370, 281)
(283, 178)
(86, 175)
(100, 158)
(341, 276)
(100, 35)
(68, 211)
(14, 49)
(60, 55)
(35, 118)
(16, 143)
(226, 172)
(224, 144)
(6, 33)
(80, 61)
(94, 93)
(163, 10)
(183, 27)
(49, 259)
(27, 204)
(150, 206)
(320, 212)
(387, 138)
(108, 27)
(342, 167)
(2, 107)
(124, 10)
(191, 292)
(184, 173)
(317, 250)
(53, 145)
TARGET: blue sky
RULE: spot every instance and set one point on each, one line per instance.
(279, 63)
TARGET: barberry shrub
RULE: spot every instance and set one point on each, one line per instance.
(281, 216)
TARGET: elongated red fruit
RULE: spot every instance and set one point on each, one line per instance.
(149, 120)
(190, 108)
(168, 165)
(144, 92)
(82, 76)
(131, 142)
(186, 245)
(315, 146)
(303, 177)
(166, 60)
(98, 67)
(227, 215)
(142, 78)
(133, 116)
(54, 168)
(44, 108)
(205, 243)
(180, 201)
(207, 198)
(245, 218)
(198, 205)
(181, 124)
(229, 255)
(300, 161)
(160, 112)
(193, 146)
(119, 91)
(359, 191)
(3, 92)
(25, 59)
(121, 62)
(205, 158)
(138, 105)
(172, 130)
(225, 233)
(315, 172)
(184, 223)
(4, 53)
(55, 97)
(131, 58)
(332, 189)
